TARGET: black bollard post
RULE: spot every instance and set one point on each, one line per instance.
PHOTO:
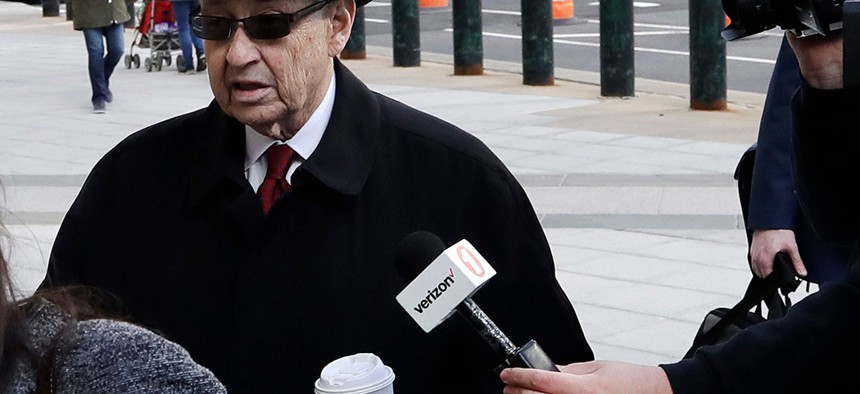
(356, 47)
(538, 68)
(617, 76)
(50, 7)
(70, 14)
(707, 55)
(468, 41)
(406, 32)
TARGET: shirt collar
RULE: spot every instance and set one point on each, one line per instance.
(303, 143)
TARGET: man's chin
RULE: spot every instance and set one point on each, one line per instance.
(255, 116)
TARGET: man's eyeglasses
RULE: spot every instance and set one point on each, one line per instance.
(259, 27)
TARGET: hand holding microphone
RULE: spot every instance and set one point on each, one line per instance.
(450, 278)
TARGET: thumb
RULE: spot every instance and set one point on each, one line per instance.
(797, 262)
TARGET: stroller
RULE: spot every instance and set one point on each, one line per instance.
(158, 32)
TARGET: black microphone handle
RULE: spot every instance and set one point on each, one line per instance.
(530, 355)
(491, 333)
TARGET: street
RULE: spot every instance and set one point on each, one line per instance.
(661, 32)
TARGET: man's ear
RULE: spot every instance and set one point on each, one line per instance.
(341, 25)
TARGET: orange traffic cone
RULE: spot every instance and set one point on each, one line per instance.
(562, 9)
(432, 3)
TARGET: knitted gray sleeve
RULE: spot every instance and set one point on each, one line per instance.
(106, 356)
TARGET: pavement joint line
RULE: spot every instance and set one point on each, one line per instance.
(642, 221)
(548, 221)
(671, 356)
(42, 180)
(32, 218)
(635, 312)
(650, 282)
(562, 180)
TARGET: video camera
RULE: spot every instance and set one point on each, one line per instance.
(802, 17)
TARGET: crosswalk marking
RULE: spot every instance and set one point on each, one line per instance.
(636, 4)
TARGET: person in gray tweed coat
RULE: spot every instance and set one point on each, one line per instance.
(106, 356)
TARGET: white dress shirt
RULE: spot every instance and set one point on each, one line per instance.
(303, 143)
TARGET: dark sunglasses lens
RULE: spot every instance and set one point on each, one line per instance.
(210, 27)
(268, 27)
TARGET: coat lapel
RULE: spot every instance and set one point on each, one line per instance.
(217, 171)
(344, 157)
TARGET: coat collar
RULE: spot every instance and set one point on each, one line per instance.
(342, 161)
(344, 157)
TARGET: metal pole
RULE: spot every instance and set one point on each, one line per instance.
(537, 42)
(50, 7)
(70, 14)
(617, 76)
(406, 32)
(355, 47)
(468, 41)
(707, 55)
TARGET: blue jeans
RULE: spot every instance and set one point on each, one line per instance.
(100, 65)
(181, 10)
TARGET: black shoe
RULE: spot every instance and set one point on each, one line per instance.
(99, 108)
(201, 63)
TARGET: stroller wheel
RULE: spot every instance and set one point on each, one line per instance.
(167, 60)
(147, 63)
(136, 60)
(127, 60)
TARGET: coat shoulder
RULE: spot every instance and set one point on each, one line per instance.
(413, 124)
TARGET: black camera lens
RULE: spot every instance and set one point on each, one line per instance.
(803, 17)
(747, 17)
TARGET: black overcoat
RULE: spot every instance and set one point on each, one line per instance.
(167, 221)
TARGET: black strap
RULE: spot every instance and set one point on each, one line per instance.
(783, 278)
(759, 290)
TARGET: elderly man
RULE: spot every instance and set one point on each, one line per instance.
(260, 232)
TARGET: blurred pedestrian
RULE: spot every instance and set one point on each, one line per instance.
(187, 42)
(102, 22)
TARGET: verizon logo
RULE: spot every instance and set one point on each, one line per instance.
(435, 292)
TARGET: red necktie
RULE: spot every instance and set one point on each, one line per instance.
(275, 184)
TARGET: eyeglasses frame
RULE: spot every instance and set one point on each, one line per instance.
(195, 20)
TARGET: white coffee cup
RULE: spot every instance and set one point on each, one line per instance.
(362, 373)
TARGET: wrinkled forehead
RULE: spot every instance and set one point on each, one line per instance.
(251, 7)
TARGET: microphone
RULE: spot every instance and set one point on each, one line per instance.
(444, 281)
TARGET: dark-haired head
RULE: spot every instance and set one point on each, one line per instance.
(76, 302)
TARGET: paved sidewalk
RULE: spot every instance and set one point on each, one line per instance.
(636, 195)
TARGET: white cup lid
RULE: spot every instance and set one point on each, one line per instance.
(361, 373)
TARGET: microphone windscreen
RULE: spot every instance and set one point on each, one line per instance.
(415, 252)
